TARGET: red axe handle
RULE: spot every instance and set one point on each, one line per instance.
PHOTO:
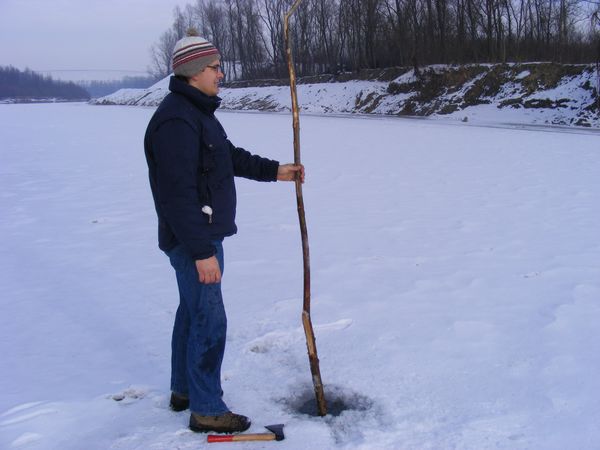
(241, 437)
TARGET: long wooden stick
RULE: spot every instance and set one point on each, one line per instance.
(306, 321)
(596, 20)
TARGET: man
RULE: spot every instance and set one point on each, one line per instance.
(191, 168)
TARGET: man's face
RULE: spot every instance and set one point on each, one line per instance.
(208, 80)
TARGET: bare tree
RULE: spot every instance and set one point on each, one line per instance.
(161, 54)
(333, 35)
(272, 17)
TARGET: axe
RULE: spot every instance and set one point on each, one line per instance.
(276, 434)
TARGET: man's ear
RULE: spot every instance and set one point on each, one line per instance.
(196, 76)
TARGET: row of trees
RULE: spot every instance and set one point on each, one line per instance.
(27, 84)
(349, 35)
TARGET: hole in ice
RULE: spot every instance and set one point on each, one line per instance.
(348, 412)
(338, 400)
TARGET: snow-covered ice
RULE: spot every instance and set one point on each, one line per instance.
(455, 270)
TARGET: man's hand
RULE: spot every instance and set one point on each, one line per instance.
(209, 271)
(289, 172)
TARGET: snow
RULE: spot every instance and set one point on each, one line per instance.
(455, 285)
(141, 97)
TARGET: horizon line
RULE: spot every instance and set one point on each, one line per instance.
(91, 70)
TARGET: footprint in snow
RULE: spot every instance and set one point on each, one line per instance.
(129, 395)
(283, 339)
(334, 326)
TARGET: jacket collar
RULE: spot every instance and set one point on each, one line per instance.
(196, 97)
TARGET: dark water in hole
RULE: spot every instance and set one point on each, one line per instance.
(338, 400)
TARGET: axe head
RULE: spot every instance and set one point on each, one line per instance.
(277, 430)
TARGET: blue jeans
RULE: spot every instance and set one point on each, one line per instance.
(199, 332)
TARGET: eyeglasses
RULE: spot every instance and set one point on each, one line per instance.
(216, 68)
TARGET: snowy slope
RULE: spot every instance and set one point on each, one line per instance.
(534, 93)
(456, 281)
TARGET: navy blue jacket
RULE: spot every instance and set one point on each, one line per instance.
(191, 163)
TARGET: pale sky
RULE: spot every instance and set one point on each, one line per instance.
(87, 34)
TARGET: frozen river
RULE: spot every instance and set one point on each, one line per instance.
(456, 285)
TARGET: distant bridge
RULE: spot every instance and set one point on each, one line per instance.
(91, 74)
(91, 70)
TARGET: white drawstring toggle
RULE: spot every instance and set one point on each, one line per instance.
(208, 211)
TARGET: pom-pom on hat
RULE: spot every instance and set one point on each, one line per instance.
(192, 54)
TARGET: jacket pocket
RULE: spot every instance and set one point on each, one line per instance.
(207, 166)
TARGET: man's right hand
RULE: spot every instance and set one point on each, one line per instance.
(209, 271)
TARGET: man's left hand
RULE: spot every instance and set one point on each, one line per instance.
(289, 172)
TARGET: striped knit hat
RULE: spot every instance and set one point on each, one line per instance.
(192, 54)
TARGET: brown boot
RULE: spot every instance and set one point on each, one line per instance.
(225, 423)
(179, 402)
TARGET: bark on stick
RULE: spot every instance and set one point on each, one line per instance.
(306, 321)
